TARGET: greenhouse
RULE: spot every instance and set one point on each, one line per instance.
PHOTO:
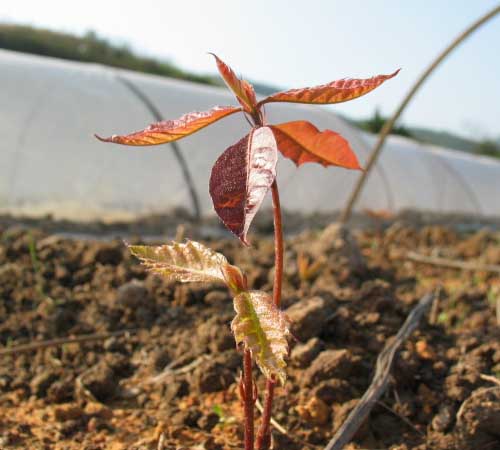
(50, 110)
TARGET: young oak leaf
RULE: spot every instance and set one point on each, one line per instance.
(188, 262)
(243, 90)
(173, 130)
(241, 177)
(262, 328)
(302, 142)
(334, 92)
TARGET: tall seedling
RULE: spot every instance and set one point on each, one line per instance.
(240, 179)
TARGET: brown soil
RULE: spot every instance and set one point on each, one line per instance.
(102, 395)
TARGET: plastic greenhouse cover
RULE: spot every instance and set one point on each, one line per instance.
(51, 163)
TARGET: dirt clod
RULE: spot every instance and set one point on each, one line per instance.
(100, 381)
(330, 364)
(303, 354)
(308, 317)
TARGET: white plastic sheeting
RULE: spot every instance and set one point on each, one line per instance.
(51, 163)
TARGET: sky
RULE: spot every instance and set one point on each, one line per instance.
(296, 43)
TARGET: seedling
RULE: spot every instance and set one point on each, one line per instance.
(308, 269)
(240, 179)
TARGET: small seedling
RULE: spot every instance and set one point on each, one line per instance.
(308, 269)
(240, 179)
(224, 420)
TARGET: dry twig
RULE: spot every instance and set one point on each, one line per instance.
(452, 263)
(490, 378)
(174, 369)
(381, 379)
(62, 341)
(161, 442)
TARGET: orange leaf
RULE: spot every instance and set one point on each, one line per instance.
(243, 90)
(302, 142)
(334, 92)
(173, 130)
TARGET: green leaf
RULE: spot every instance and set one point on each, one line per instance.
(262, 328)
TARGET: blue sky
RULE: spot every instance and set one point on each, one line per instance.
(282, 43)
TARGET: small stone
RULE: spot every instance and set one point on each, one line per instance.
(100, 381)
(67, 412)
(99, 410)
(443, 420)
(132, 294)
(61, 391)
(308, 317)
(303, 354)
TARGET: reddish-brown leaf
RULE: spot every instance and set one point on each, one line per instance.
(243, 90)
(173, 130)
(302, 142)
(334, 92)
(241, 177)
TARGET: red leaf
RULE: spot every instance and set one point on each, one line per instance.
(243, 90)
(241, 177)
(172, 130)
(302, 142)
(334, 92)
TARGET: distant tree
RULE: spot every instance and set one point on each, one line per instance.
(376, 123)
(88, 48)
(487, 147)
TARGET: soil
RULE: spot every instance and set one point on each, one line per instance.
(172, 377)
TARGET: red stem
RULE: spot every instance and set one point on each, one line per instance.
(278, 245)
(248, 400)
(264, 434)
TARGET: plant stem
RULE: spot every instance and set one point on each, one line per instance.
(248, 400)
(278, 245)
(264, 434)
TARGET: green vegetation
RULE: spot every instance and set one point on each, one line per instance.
(488, 147)
(89, 48)
(376, 123)
(445, 139)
